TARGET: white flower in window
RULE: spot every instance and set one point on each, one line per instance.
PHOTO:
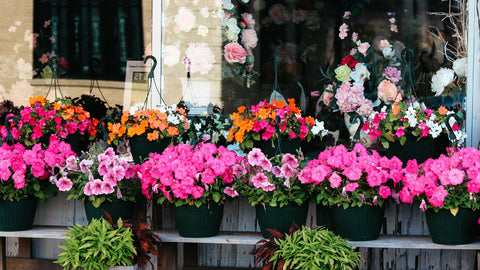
(460, 67)
(227, 4)
(441, 79)
(202, 30)
(185, 19)
(360, 74)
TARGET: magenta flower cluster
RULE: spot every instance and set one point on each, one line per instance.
(349, 175)
(22, 166)
(448, 181)
(101, 174)
(186, 172)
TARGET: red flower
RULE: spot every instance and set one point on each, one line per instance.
(349, 60)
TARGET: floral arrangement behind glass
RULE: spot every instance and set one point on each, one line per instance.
(368, 76)
(272, 181)
(352, 178)
(241, 37)
(210, 128)
(98, 175)
(160, 122)
(44, 118)
(448, 182)
(42, 53)
(26, 172)
(184, 174)
(267, 121)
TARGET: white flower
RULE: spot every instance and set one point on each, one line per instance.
(227, 4)
(435, 129)
(185, 19)
(171, 55)
(319, 127)
(441, 79)
(173, 119)
(231, 29)
(12, 29)
(388, 52)
(202, 30)
(360, 74)
(460, 67)
(204, 12)
(136, 107)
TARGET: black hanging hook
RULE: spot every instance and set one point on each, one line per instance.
(151, 74)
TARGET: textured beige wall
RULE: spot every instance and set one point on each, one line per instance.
(16, 30)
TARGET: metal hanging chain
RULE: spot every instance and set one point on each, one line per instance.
(151, 77)
(94, 79)
(53, 63)
(189, 87)
(276, 88)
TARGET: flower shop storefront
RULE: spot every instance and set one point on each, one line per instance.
(316, 113)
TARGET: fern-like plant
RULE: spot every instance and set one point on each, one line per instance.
(310, 249)
(97, 246)
(306, 249)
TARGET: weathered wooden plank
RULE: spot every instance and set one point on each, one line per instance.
(29, 264)
(57, 211)
(227, 255)
(246, 221)
(24, 247)
(430, 259)
(46, 248)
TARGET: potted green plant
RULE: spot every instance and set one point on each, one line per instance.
(25, 180)
(306, 248)
(273, 187)
(144, 239)
(196, 181)
(447, 189)
(211, 128)
(103, 181)
(98, 245)
(274, 127)
(355, 185)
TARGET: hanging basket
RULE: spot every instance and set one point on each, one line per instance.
(115, 209)
(203, 221)
(17, 215)
(421, 150)
(448, 229)
(141, 147)
(280, 218)
(358, 223)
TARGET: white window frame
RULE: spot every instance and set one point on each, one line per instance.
(473, 73)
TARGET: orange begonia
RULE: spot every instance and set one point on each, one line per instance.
(172, 131)
(152, 136)
(442, 110)
(395, 109)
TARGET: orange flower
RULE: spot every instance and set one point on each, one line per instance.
(41, 100)
(172, 131)
(239, 136)
(152, 136)
(310, 120)
(56, 106)
(131, 132)
(442, 110)
(241, 109)
(262, 113)
(395, 109)
(234, 116)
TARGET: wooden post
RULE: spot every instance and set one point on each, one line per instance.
(3, 264)
(24, 247)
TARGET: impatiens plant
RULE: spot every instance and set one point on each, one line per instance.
(184, 174)
(267, 121)
(99, 175)
(43, 118)
(163, 121)
(402, 119)
(26, 172)
(448, 182)
(352, 178)
(271, 181)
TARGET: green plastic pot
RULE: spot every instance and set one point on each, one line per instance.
(448, 229)
(280, 218)
(203, 221)
(141, 147)
(358, 223)
(420, 150)
(115, 209)
(17, 215)
(281, 146)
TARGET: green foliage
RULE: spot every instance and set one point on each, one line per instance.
(97, 246)
(310, 249)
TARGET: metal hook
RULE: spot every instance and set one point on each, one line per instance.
(451, 133)
(53, 62)
(102, 127)
(151, 74)
(7, 126)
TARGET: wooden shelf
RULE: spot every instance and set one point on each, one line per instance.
(251, 238)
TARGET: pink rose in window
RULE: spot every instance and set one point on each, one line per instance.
(235, 53)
